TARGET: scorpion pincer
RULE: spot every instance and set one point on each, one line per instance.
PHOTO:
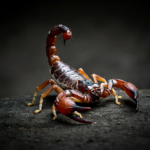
(75, 86)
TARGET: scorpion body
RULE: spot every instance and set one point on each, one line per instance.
(75, 86)
(68, 78)
(65, 76)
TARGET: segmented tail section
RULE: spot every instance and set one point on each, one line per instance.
(51, 50)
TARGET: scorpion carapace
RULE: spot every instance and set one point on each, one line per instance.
(75, 86)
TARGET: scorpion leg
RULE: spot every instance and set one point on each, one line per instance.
(44, 94)
(128, 87)
(40, 87)
(99, 78)
(113, 92)
(80, 70)
(65, 105)
(54, 112)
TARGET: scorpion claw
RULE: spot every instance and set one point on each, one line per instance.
(76, 107)
(130, 89)
(68, 107)
(77, 118)
(137, 105)
(132, 92)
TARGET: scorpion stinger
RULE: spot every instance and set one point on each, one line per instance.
(75, 86)
(67, 36)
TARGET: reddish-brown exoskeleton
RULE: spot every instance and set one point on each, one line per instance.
(75, 86)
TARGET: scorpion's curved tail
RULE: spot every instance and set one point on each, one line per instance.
(51, 40)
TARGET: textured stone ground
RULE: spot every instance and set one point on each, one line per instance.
(113, 127)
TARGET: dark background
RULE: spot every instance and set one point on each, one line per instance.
(110, 39)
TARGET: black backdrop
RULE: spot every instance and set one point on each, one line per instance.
(110, 39)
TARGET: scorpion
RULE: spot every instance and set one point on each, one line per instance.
(75, 86)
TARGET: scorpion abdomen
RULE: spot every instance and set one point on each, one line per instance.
(65, 76)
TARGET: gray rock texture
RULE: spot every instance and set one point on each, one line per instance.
(114, 127)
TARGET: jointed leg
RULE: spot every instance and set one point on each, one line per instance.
(40, 87)
(44, 94)
(80, 70)
(78, 114)
(99, 78)
(76, 100)
(54, 112)
(112, 91)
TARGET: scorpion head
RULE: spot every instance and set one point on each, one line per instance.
(89, 87)
(94, 91)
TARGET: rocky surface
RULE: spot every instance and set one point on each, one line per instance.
(114, 127)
